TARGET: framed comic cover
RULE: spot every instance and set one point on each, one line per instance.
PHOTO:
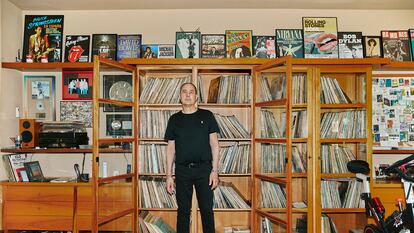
(187, 44)
(149, 51)
(118, 125)
(350, 45)
(76, 111)
(289, 42)
(77, 48)
(320, 37)
(104, 45)
(43, 35)
(117, 87)
(372, 46)
(40, 97)
(239, 43)
(128, 46)
(264, 47)
(411, 31)
(166, 51)
(77, 85)
(213, 46)
(396, 45)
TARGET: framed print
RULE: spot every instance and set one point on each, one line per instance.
(372, 46)
(264, 46)
(289, 42)
(117, 87)
(166, 51)
(320, 36)
(396, 45)
(77, 85)
(350, 45)
(411, 31)
(104, 45)
(34, 171)
(43, 35)
(239, 43)
(149, 51)
(213, 46)
(40, 97)
(118, 125)
(128, 46)
(76, 111)
(187, 44)
(77, 48)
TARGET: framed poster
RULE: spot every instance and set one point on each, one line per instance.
(166, 51)
(239, 43)
(187, 44)
(117, 87)
(289, 42)
(129, 46)
(372, 46)
(40, 97)
(396, 45)
(76, 111)
(411, 31)
(213, 46)
(77, 48)
(350, 45)
(149, 51)
(43, 35)
(77, 85)
(118, 125)
(320, 37)
(104, 45)
(264, 46)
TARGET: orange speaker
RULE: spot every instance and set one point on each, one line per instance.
(29, 130)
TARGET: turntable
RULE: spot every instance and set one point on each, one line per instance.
(62, 135)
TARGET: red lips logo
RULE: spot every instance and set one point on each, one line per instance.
(75, 53)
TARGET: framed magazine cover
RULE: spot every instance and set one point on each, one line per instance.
(320, 37)
(411, 31)
(40, 97)
(239, 43)
(76, 111)
(372, 46)
(187, 44)
(77, 48)
(396, 45)
(104, 45)
(149, 51)
(289, 42)
(264, 46)
(77, 85)
(166, 51)
(128, 46)
(213, 46)
(117, 87)
(118, 125)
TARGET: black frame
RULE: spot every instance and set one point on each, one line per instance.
(34, 171)
(115, 41)
(229, 53)
(158, 52)
(254, 43)
(364, 40)
(409, 45)
(196, 34)
(304, 34)
(301, 55)
(202, 44)
(108, 81)
(120, 117)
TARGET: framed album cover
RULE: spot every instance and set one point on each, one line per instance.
(350, 45)
(372, 46)
(117, 87)
(77, 85)
(77, 48)
(149, 51)
(40, 97)
(264, 46)
(239, 43)
(187, 44)
(166, 51)
(129, 46)
(396, 45)
(289, 42)
(34, 171)
(76, 111)
(104, 45)
(411, 31)
(118, 125)
(213, 46)
(320, 36)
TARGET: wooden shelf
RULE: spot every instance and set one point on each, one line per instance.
(337, 175)
(271, 140)
(343, 140)
(387, 183)
(284, 210)
(212, 105)
(221, 174)
(405, 151)
(272, 103)
(402, 65)
(299, 105)
(195, 61)
(343, 210)
(61, 150)
(23, 66)
(342, 106)
(158, 209)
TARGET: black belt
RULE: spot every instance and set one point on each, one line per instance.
(196, 164)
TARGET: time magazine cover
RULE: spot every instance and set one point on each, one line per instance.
(104, 45)
(264, 46)
(289, 42)
(187, 44)
(213, 46)
(320, 37)
(396, 45)
(77, 48)
(239, 43)
(129, 46)
(43, 38)
(350, 45)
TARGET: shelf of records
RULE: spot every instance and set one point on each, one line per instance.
(318, 38)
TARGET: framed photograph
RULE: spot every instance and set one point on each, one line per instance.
(372, 46)
(213, 46)
(104, 45)
(187, 44)
(76, 111)
(77, 48)
(289, 42)
(264, 47)
(350, 45)
(40, 97)
(396, 45)
(117, 87)
(128, 46)
(320, 36)
(239, 43)
(34, 171)
(43, 35)
(166, 51)
(77, 85)
(149, 51)
(118, 125)
(411, 31)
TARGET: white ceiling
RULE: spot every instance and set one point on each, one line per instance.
(210, 4)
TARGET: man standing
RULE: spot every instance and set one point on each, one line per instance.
(192, 142)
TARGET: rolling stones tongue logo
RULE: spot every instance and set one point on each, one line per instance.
(75, 52)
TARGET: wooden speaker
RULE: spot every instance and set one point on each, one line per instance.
(29, 130)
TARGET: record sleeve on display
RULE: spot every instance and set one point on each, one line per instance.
(372, 46)
(166, 51)
(213, 46)
(239, 43)
(149, 51)
(117, 87)
(187, 44)
(350, 45)
(320, 36)
(396, 45)
(128, 46)
(264, 47)
(104, 45)
(289, 42)
(118, 125)
(77, 48)
(412, 43)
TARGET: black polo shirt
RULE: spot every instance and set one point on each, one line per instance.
(191, 133)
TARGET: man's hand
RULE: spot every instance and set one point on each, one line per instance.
(214, 180)
(170, 185)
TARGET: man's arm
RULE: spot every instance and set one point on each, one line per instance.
(170, 160)
(215, 154)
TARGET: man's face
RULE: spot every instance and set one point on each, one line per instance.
(38, 30)
(188, 95)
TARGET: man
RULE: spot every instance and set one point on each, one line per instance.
(192, 142)
(39, 45)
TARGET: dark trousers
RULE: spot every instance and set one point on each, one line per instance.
(185, 178)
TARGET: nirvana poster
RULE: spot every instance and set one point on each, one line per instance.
(77, 48)
(239, 43)
(129, 46)
(187, 44)
(43, 38)
(289, 42)
(320, 37)
(104, 45)
(396, 45)
(264, 46)
(350, 45)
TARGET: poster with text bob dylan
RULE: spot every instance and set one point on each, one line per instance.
(320, 36)
(43, 38)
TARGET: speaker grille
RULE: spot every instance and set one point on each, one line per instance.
(27, 136)
(26, 124)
